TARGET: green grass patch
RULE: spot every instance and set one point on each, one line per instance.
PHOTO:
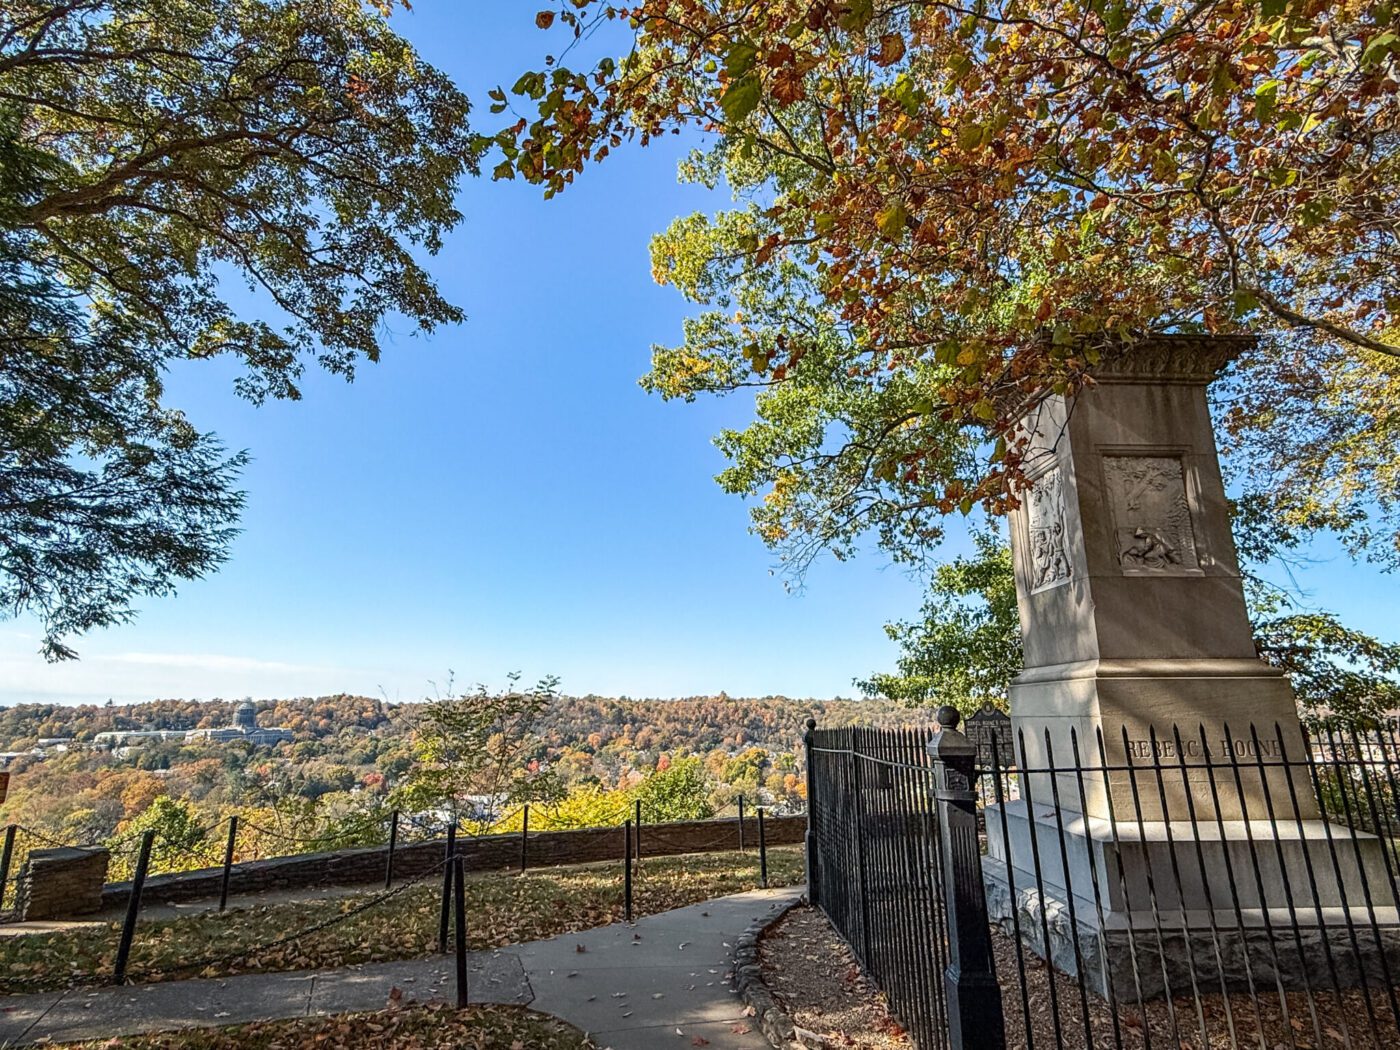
(431, 1026)
(502, 909)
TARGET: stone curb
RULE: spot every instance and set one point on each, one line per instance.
(772, 1019)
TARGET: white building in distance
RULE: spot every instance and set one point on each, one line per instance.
(245, 728)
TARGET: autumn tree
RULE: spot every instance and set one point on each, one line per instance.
(150, 152)
(958, 209)
(475, 755)
(966, 645)
(681, 791)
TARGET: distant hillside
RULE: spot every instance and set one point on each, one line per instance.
(690, 724)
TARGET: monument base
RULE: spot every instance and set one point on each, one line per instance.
(1255, 907)
(1162, 737)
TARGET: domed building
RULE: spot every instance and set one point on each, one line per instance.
(245, 728)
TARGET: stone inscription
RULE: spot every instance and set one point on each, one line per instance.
(1046, 520)
(1244, 749)
(1151, 517)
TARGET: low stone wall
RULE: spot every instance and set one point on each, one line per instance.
(62, 883)
(486, 853)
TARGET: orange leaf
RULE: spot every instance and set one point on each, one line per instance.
(891, 49)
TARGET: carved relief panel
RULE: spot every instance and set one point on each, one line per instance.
(1151, 515)
(1045, 519)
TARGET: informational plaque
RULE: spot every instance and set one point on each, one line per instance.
(990, 728)
(4, 786)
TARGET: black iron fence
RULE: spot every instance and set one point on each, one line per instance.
(1230, 887)
(874, 865)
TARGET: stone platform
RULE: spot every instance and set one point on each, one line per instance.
(1194, 908)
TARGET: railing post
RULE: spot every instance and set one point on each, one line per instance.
(810, 845)
(525, 836)
(741, 823)
(975, 1020)
(7, 855)
(459, 880)
(133, 906)
(762, 850)
(627, 871)
(228, 861)
(393, 845)
(447, 887)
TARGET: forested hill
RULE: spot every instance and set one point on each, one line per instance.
(691, 724)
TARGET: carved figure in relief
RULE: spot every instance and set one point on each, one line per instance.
(1151, 514)
(1150, 550)
(1049, 557)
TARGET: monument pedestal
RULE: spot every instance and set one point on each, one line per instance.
(1162, 810)
(1210, 926)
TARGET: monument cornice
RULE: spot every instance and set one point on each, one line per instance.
(1188, 358)
(1160, 358)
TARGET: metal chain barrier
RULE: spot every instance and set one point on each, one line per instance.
(326, 924)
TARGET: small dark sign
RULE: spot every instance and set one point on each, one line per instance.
(4, 786)
(985, 727)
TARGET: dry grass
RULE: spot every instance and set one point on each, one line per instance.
(412, 1028)
(502, 909)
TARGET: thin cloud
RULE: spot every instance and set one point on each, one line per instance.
(213, 662)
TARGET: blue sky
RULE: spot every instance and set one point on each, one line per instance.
(503, 495)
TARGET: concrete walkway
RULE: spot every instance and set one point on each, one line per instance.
(663, 981)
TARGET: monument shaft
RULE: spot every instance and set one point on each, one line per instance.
(1132, 608)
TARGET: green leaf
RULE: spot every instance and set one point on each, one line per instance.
(1265, 99)
(741, 98)
(909, 97)
(970, 136)
(1378, 47)
(858, 15)
(1245, 302)
(739, 59)
(892, 220)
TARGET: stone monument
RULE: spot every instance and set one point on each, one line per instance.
(1135, 629)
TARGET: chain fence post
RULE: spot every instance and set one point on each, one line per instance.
(459, 890)
(525, 837)
(133, 906)
(627, 870)
(975, 1020)
(228, 861)
(813, 875)
(762, 851)
(393, 845)
(447, 887)
(7, 856)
